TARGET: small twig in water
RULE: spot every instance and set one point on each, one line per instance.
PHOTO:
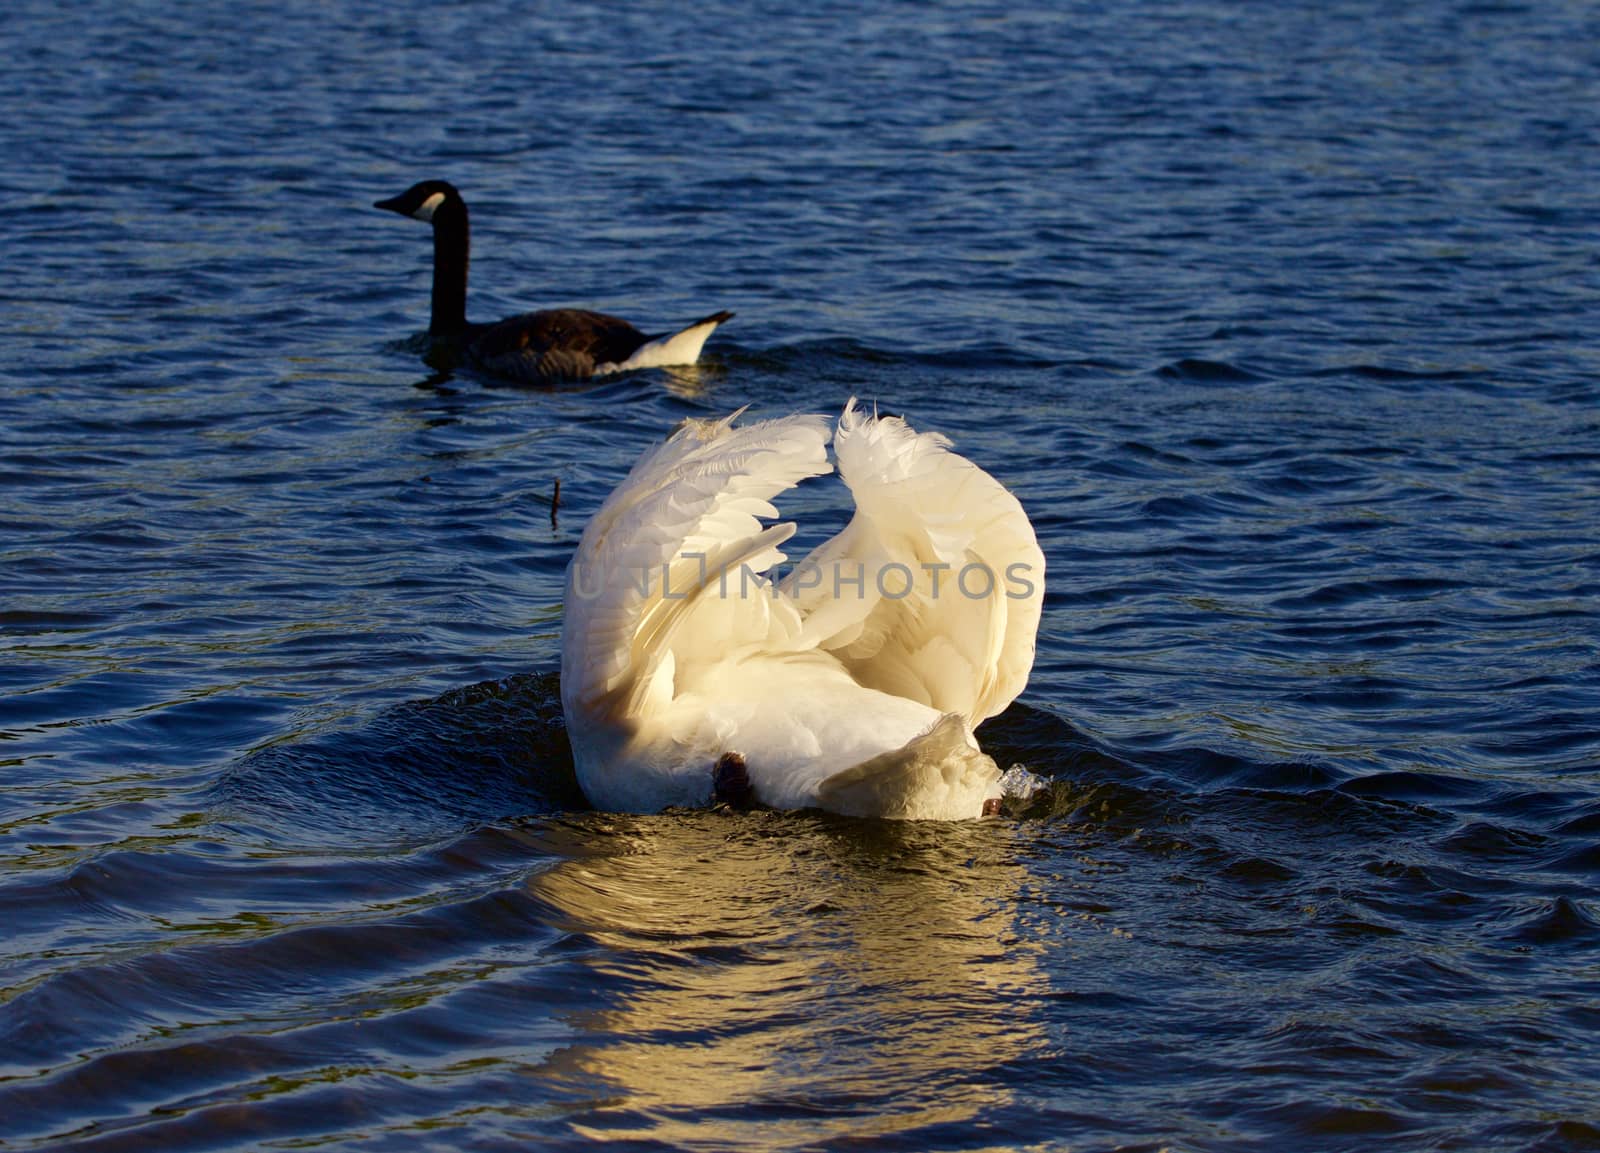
(555, 501)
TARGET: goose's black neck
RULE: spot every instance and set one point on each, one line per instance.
(451, 246)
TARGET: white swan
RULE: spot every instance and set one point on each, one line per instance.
(854, 683)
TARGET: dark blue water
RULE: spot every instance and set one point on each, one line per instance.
(1282, 320)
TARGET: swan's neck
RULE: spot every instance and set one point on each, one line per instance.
(451, 243)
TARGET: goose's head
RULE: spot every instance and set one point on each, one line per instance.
(424, 201)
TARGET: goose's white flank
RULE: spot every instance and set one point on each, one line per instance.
(695, 668)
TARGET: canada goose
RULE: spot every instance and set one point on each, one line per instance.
(536, 346)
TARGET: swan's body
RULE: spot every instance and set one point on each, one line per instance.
(536, 346)
(855, 683)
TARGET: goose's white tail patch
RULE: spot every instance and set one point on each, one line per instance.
(682, 347)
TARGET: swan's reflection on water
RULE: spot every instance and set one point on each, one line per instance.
(774, 979)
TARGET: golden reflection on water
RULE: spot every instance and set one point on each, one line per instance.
(689, 381)
(777, 979)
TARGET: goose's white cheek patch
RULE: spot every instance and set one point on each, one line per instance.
(428, 207)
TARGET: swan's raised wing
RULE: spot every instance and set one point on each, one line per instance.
(648, 590)
(933, 590)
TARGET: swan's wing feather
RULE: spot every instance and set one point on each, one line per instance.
(641, 601)
(951, 579)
